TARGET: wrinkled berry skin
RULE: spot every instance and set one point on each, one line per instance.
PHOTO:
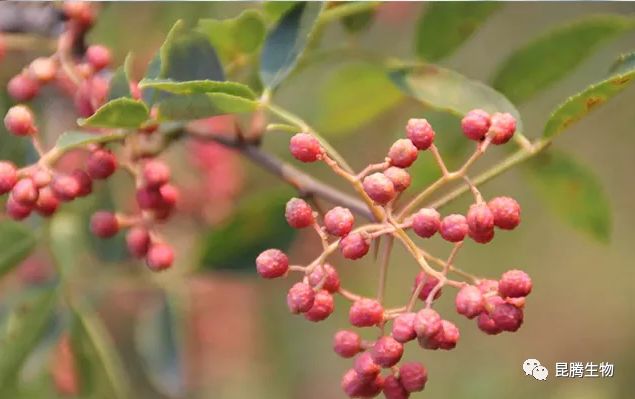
(486, 324)
(446, 338)
(429, 282)
(426, 222)
(399, 178)
(358, 386)
(22, 88)
(104, 224)
(506, 212)
(332, 281)
(379, 188)
(387, 351)
(354, 246)
(20, 121)
(365, 366)
(413, 376)
(503, 127)
(475, 124)
(393, 388)
(300, 298)
(507, 317)
(339, 221)
(347, 343)
(487, 286)
(366, 312)
(138, 241)
(469, 301)
(160, 257)
(66, 188)
(480, 219)
(305, 147)
(298, 213)
(453, 228)
(403, 329)
(101, 164)
(322, 307)
(402, 153)
(8, 176)
(25, 192)
(514, 284)
(272, 263)
(420, 133)
(427, 323)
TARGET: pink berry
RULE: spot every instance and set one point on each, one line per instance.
(43, 69)
(518, 302)
(482, 237)
(402, 153)
(426, 222)
(298, 213)
(20, 121)
(22, 88)
(331, 282)
(149, 198)
(487, 286)
(475, 124)
(354, 245)
(101, 164)
(393, 388)
(507, 317)
(300, 298)
(399, 178)
(469, 301)
(387, 351)
(503, 127)
(403, 328)
(347, 343)
(429, 282)
(90, 95)
(453, 228)
(446, 338)
(358, 386)
(379, 188)
(305, 147)
(160, 257)
(420, 133)
(98, 56)
(169, 194)
(339, 221)
(427, 323)
(480, 222)
(491, 301)
(41, 178)
(514, 284)
(16, 210)
(138, 241)
(272, 263)
(104, 224)
(155, 173)
(25, 192)
(486, 324)
(506, 212)
(85, 182)
(8, 176)
(366, 312)
(65, 187)
(365, 366)
(47, 203)
(322, 307)
(413, 376)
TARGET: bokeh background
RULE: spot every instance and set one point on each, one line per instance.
(238, 339)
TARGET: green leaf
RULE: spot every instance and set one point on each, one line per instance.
(198, 106)
(67, 242)
(624, 64)
(286, 42)
(100, 368)
(77, 139)
(159, 343)
(444, 89)
(444, 26)
(579, 105)
(118, 113)
(573, 192)
(353, 95)
(17, 243)
(257, 224)
(200, 87)
(119, 85)
(235, 36)
(273, 10)
(554, 55)
(26, 327)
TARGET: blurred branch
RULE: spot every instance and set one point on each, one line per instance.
(44, 19)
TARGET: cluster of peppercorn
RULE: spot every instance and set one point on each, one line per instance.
(42, 187)
(496, 305)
